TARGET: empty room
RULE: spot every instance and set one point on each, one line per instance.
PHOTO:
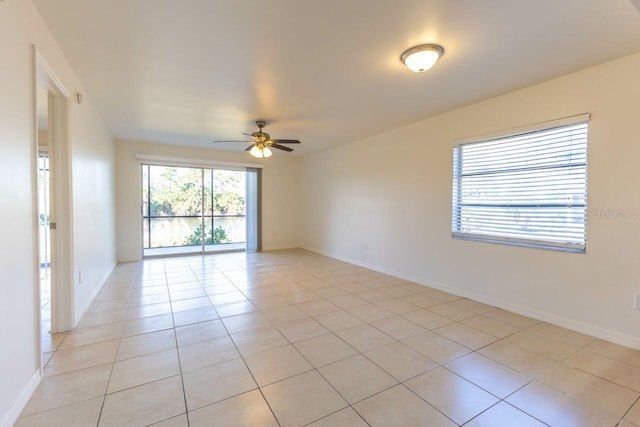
(337, 213)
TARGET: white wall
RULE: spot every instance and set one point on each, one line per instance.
(385, 202)
(94, 204)
(280, 198)
(92, 154)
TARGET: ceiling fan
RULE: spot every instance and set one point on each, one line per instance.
(262, 143)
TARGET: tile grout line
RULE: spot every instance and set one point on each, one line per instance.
(240, 357)
(314, 368)
(636, 402)
(259, 388)
(113, 364)
(175, 337)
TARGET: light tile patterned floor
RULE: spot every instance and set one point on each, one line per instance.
(291, 338)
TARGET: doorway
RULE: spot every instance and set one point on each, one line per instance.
(43, 167)
(53, 219)
(44, 235)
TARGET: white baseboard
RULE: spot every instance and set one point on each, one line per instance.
(15, 411)
(595, 331)
(82, 310)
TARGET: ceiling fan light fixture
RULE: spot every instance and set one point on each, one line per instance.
(256, 152)
(260, 152)
(261, 142)
(422, 57)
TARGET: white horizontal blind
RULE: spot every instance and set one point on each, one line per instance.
(526, 189)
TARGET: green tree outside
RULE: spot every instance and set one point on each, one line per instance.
(217, 235)
(179, 192)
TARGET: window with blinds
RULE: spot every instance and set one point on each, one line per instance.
(527, 188)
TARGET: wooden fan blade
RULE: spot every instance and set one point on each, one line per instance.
(249, 147)
(280, 147)
(244, 133)
(286, 141)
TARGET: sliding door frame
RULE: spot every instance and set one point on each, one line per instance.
(146, 216)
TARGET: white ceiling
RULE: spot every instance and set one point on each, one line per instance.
(326, 72)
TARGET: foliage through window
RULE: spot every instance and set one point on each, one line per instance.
(184, 206)
(525, 189)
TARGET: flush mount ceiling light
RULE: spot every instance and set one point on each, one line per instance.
(422, 57)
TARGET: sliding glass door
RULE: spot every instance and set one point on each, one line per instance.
(225, 212)
(192, 210)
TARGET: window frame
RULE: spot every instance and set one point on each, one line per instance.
(457, 188)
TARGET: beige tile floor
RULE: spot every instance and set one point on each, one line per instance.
(291, 338)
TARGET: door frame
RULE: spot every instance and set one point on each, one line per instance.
(61, 212)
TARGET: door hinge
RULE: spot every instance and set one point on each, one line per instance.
(53, 226)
